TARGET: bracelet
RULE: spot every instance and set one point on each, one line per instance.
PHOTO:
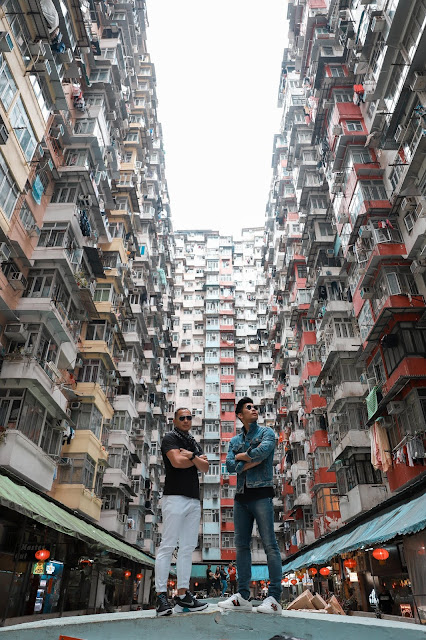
(193, 456)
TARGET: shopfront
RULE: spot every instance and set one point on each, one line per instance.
(376, 563)
(52, 561)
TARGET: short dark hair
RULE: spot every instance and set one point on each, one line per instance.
(181, 409)
(240, 404)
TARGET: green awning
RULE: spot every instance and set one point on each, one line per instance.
(400, 520)
(35, 506)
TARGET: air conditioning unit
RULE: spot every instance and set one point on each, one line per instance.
(400, 132)
(42, 68)
(334, 491)
(337, 130)
(4, 252)
(37, 49)
(418, 82)
(122, 517)
(111, 115)
(395, 407)
(330, 253)
(364, 232)
(138, 165)
(421, 208)
(378, 24)
(417, 267)
(366, 293)
(328, 104)
(75, 406)
(6, 42)
(343, 218)
(66, 56)
(57, 132)
(17, 281)
(16, 332)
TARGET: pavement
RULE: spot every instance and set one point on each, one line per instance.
(213, 624)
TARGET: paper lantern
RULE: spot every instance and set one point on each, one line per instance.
(324, 571)
(380, 554)
(196, 584)
(313, 571)
(127, 574)
(350, 563)
(139, 576)
(109, 572)
(42, 554)
(293, 581)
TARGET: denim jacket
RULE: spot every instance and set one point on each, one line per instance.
(259, 444)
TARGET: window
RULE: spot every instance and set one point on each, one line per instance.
(103, 293)
(406, 340)
(100, 75)
(337, 71)
(410, 220)
(80, 470)
(354, 125)
(227, 387)
(85, 126)
(8, 87)
(27, 218)
(227, 427)
(211, 540)
(228, 540)
(326, 501)
(213, 469)
(211, 515)
(9, 191)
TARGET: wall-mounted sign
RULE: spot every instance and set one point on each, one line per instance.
(38, 568)
(50, 568)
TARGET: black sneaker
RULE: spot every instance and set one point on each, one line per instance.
(188, 603)
(164, 606)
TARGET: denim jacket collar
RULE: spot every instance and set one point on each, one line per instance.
(252, 428)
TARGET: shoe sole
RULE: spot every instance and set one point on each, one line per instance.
(235, 608)
(179, 609)
(168, 612)
(273, 613)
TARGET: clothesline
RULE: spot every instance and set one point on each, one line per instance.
(407, 438)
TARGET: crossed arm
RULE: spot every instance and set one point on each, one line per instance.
(237, 463)
(180, 459)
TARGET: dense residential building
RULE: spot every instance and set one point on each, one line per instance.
(86, 263)
(346, 255)
(220, 333)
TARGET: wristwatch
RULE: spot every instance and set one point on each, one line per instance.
(193, 456)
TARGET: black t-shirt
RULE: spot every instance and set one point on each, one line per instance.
(179, 482)
(257, 493)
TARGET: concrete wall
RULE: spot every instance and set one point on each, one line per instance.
(214, 626)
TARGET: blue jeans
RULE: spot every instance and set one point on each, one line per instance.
(244, 516)
(224, 586)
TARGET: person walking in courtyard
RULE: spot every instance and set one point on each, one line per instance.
(180, 504)
(223, 579)
(250, 456)
(232, 573)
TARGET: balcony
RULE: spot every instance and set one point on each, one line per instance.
(26, 372)
(352, 439)
(78, 498)
(24, 458)
(113, 521)
(361, 498)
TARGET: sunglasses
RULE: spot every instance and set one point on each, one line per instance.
(183, 418)
(250, 407)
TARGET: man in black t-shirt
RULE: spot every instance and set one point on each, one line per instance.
(183, 459)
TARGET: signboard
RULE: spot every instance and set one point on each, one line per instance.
(38, 569)
(27, 550)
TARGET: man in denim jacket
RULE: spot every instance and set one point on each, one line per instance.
(250, 456)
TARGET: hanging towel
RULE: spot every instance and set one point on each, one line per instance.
(380, 448)
(372, 401)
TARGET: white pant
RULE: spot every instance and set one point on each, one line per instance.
(181, 521)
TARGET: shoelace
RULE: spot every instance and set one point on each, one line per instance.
(163, 598)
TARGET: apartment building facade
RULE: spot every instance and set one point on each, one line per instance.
(86, 263)
(345, 251)
(220, 333)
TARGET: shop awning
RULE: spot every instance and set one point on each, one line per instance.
(400, 520)
(49, 513)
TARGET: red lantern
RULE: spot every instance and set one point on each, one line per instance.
(350, 563)
(139, 576)
(293, 581)
(324, 571)
(196, 584)
(313, 571)
(109, 572)
(380, 554)
(127, 574)
(42, 554)
(285, 579)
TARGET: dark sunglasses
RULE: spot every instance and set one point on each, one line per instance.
(250, 407)
(183, 418)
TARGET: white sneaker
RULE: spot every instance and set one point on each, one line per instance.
(236, 602)
(270, 605)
